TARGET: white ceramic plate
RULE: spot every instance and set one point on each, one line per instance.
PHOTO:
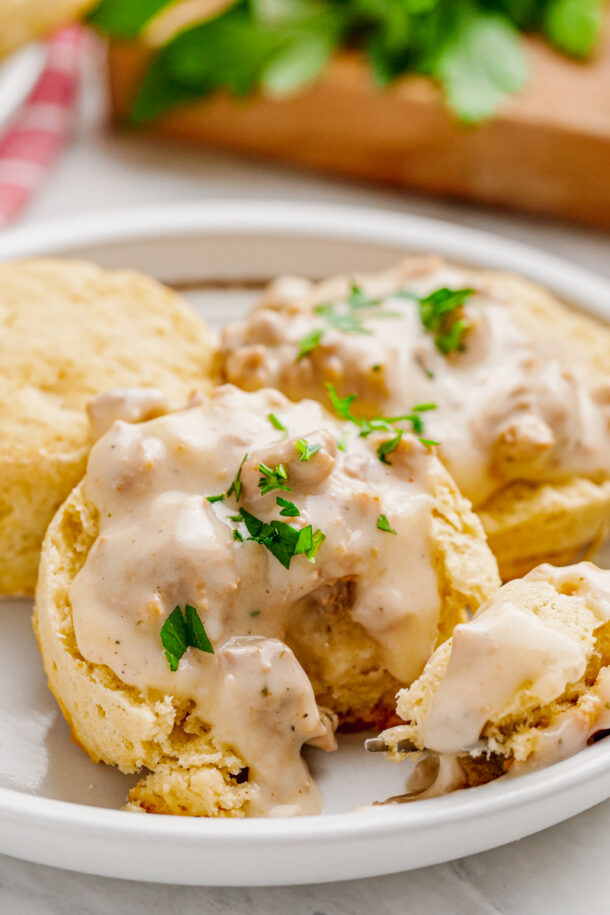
(18, 73)
(58, 808)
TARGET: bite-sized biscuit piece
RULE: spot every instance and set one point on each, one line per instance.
(520, 384)
(24, 20)
(526, 683)
(322, 575)
(69, 330)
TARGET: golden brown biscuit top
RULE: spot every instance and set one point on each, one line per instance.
(68, 331)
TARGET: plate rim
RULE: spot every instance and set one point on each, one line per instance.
(478, 247)
(578, 285)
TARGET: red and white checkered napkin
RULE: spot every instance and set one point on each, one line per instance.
(31, 143)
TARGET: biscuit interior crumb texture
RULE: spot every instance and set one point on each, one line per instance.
(562, 602)
(69, 330)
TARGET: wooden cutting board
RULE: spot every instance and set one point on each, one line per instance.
(547, 150)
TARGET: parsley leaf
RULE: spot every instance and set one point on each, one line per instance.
(237, 485)
(228, 51)
(282, 540)
(388, 447)
(276, 423)
(574, 25)
(272, 479)
(435, 307)
(305, 540)
(309, 342)
(317, 540)
(470, 47)
(342, 319)
(480, 61)
(300, 62)
(453, 339)
(180, 632)
(384, 525)
(289, 509)
(342, 406)
(359, 299)
(343, 314)
(342, 442)
(309, 542)
(437, 314)
(306, 450)
(125, 18)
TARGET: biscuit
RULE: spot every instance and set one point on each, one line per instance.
(318, 621)
(529, 676)
(69, 330)
(522, 392)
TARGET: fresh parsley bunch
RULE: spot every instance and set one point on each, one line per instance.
(470, 47)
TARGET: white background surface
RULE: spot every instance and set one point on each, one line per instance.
(562, 870)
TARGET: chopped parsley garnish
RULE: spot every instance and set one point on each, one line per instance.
(453, 339)
(306, 450)
(272, 479)
(180, 632)
(317, 540)
(388, 447)
(282, 540)
(237, 536)
(344, 315)
(339, 318)
(235, 487)
(255, 613)
(342, 406)
(359, 299)
(289, 509)
(276, 423)
(305, 541)
(424, 407)
(309, 342)
(384, 525)
(342, 442)
(437, 314)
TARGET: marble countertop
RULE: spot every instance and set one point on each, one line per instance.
(561, 870)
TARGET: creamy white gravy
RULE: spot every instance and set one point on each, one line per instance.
(162, 544)
(132, 405)
(506, 649)
(504, 652)
(518, 404)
